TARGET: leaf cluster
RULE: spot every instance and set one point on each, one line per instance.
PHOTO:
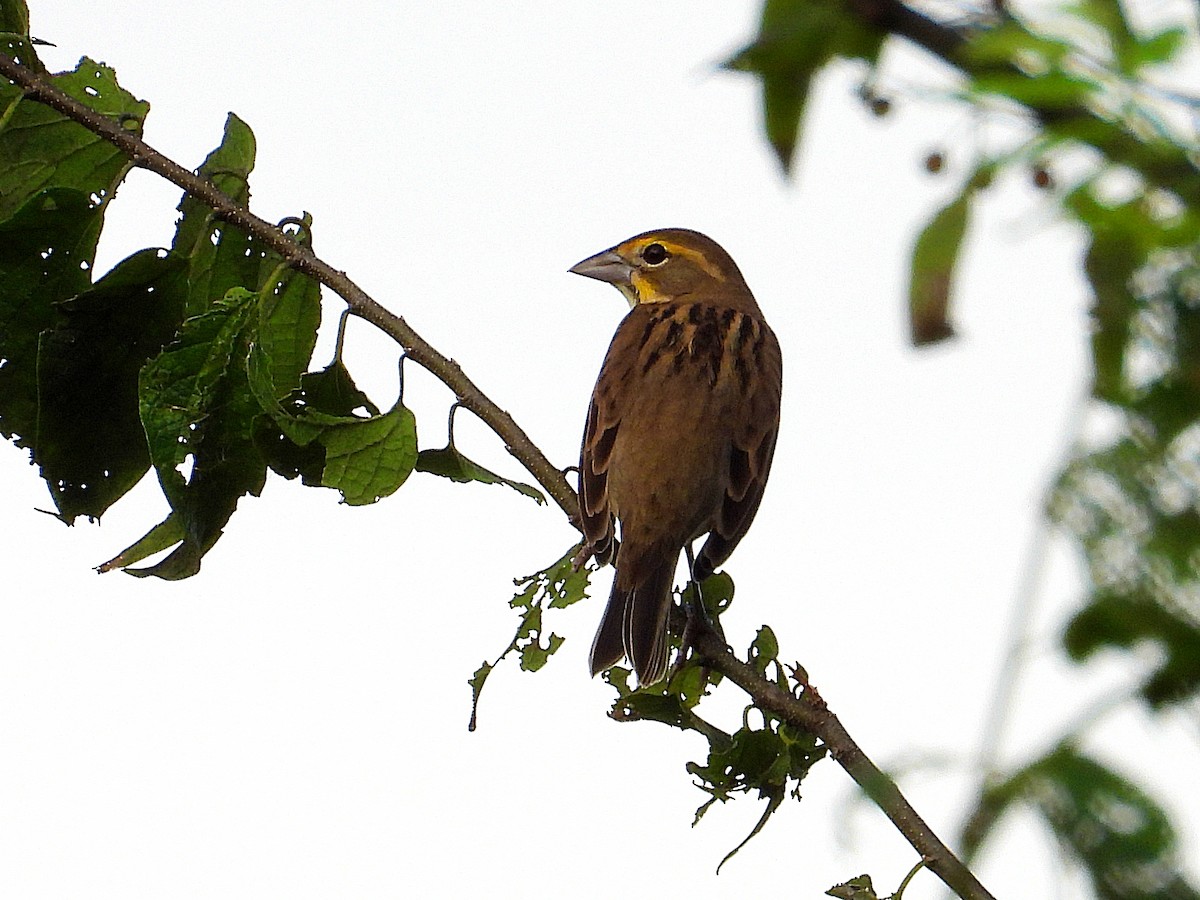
(192, 360)
(765, 755)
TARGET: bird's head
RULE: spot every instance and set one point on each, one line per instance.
(668, 264)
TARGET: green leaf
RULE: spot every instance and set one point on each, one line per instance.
(765, 759)
(534, 655)
(1127, 620)
(41, 149)
(1159, 48)
(1011, 43)
(859, 888)
(162, 536)
(288, 439)
(369, 459)
(289, 315)
(1120, 836)
(221, 256)
(450, 463)
(55, 176)
(1109, 265)
(796, 39)
(196, 401)
(934, 258)
(764, 650)
(1046, 91)
(90, 443)
(46, 249)
(14, 16)
(557, 586)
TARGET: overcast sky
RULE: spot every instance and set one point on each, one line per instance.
(292, 722)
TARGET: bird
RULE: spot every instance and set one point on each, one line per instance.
(680, 432)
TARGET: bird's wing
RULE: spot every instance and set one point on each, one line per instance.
(751, 450)
(596, 517)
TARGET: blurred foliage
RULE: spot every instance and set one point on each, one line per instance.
(1088, 83)
(1124, 840)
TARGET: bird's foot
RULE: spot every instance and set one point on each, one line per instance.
(696, 621)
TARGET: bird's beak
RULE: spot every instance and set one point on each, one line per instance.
(607, 266)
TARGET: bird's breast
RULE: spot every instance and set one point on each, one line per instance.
(682, 383)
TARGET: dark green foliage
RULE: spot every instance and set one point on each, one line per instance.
(90, 441)
(41, 150)
(449, 462)
(764, 755)
(796, 39)
(192, 360)
(55, 180)
(1115, 830)
(45, 250)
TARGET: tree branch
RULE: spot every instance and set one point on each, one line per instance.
(302, 259)
(1159, 162)
(807, 712)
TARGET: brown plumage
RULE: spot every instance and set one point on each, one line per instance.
(679, 434)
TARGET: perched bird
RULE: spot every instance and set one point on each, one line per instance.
(680, 431)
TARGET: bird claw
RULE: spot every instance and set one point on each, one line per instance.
(585, 552)
(696, 620)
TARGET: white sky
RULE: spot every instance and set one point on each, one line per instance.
(292, 722)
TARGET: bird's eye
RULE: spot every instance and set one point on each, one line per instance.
(655, 254)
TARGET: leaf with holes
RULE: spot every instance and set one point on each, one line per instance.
(196, 402)
(450, 463)
(91, 446)
(41, 149)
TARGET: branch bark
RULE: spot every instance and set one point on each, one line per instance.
(1160, 162)
(806, 711)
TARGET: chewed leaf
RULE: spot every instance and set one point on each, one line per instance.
(859, 888)
(450, 463)
(557, 586)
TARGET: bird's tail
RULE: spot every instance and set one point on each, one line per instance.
(635, 624)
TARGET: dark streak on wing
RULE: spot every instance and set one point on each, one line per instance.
(751, 451)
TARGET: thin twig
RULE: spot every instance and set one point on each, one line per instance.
(810, 713)
(807, 712)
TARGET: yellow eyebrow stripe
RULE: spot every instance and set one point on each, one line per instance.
(631, 249)
(695, 256)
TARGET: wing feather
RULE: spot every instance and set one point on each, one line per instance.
(751, 451)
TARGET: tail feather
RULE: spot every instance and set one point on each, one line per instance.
(635, 625)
